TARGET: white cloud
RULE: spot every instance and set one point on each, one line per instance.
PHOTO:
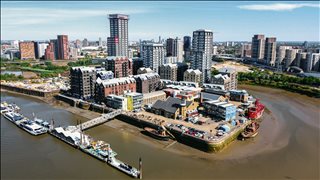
(14, 17)
(277, 6)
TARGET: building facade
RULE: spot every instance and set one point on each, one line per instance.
(82, 82)
(136, 64)
(257, 51)
(201, 57)
(118, 40)
(146, 83)
(63, 47)
(151, 98)
(153, 55)
(290, 57)
(121, 66)
(27, 50)
(182, 67)
(116, 86)
(191, 75)
(233, 75)
(134, 101)
(270, 51)
(174, 48)
(223, 80)
(49, 52)
(116, 102)
(169, 71)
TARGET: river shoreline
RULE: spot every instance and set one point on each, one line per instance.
(177, 148)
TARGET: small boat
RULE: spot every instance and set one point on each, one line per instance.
(131, 171)
(158, 134)
(250, 131)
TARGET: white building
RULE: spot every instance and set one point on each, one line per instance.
(42, 48)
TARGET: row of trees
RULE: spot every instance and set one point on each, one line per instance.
(304, 85)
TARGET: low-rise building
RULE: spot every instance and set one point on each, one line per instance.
(146, 83)
(175, 108)
(223, 110)
(134, 101)
(239, 95)
(116, 102)
(151, 98)
(193, 75)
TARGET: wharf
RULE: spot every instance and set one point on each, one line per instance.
(112, 161)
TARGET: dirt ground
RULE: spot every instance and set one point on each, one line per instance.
(231, 64)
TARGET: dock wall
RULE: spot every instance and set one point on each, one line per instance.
(30, 91)
(201, 144)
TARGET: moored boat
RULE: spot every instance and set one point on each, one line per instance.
(257, 111)
(158, 134)
(250, 131)
(32, 127)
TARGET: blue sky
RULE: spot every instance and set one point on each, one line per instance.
(296, 21)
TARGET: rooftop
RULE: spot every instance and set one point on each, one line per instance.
(152, 94)
(116, 81)
(170, 105)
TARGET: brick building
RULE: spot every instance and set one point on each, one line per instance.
(82, 82)
(63, 47)
(27, 50)
(117, 86)
(121, 66)
(49, 52)
(146, 83)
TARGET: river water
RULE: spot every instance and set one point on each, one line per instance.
(286, 148)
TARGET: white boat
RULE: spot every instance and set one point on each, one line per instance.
(131, 171)
(32, 128)
(42, 123)
(13, 117)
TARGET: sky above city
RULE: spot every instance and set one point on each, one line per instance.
(230, 21)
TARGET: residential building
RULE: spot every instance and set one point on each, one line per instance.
(144, 70)
(121, 66)
(134, 101)
(116, 86)
(85, 42)
(151, 98)
(232, 73)
(40, 49)
(82, 82)
(153, 55)
(169, 71)
(270, 51)
(63, 47)
(258, 43)
(201, 57)
(181, 84)
(27, 50)
(182, 67)
(146, 83)
(193, 75)
(118, 40)
(175, 108)
(116, 102)
(223, 80)
(49, 52)
(174, 48)
(214, 50)
(56, 47)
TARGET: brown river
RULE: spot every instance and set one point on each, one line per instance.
(287, 147)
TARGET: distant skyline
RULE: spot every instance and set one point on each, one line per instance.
(230, 21)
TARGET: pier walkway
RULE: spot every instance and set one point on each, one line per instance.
(99, 120)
